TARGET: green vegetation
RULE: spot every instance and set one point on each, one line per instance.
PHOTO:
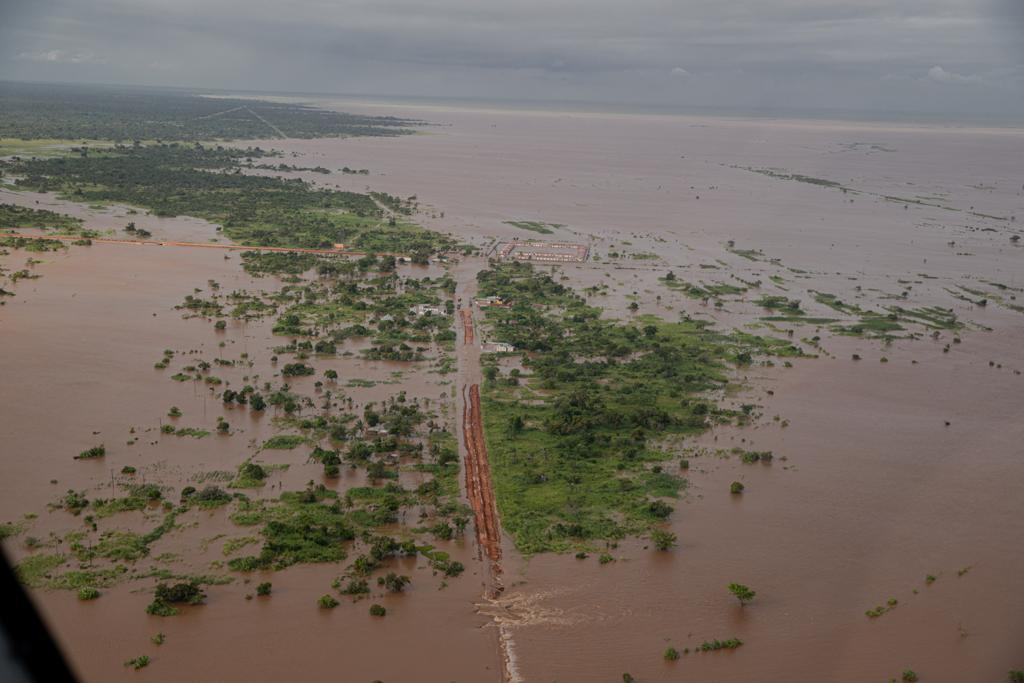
(137, 663)
(908, 676)
(327, 602)
(9, 529)
(798, 177)
(88, 593)
(750, 457)
(775, 302)
(166, 596)
(251, 475)
(671, 654)
(377, 610)
(536, 226)
(579, 463)
(30, 244)
(703, 291)
(206, 182)
(13, 216)
(277, 262)
(663, 540)
(264, 589)
(94, 452)
(284, 442)
(878, 611)
(712, 645)
(35, 570)
(741, 593)
(736, 487)
(35, 111)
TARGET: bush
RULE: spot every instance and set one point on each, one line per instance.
(94, 452)
(187, 592)
(671, 654)
(212, 495)
(140, 662)
(296, 370)
(908, 676)
(356, 587)
(377, 610)
(88, 593)
(712, 645)
(736, 487)
(263, 588)
(659, 509)
(327, 602)
(663, 540)
(393, 582)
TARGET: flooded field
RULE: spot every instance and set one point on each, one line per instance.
(98, 319)
(891, 255)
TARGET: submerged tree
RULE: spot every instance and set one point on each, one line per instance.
(742, 593)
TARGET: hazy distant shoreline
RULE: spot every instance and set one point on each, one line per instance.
(905, 118)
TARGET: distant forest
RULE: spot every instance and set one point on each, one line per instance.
(31, 111)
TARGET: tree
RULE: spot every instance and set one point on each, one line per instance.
(742, 593)
(393, 582)
(663, 540)
(327, 602)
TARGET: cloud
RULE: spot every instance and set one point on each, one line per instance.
(940, 75)
(792, 54)
(61, 57)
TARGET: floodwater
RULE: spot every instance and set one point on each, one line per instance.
(875, 491)
(79, 347)
(870, 490)
(111, 219)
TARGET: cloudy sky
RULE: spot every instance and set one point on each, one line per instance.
(944, 57)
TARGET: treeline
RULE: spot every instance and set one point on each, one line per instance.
(14, 216)
(175, 179)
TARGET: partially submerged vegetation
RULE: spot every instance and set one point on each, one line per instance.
(576, 444)
(206, 181)
(536, 226)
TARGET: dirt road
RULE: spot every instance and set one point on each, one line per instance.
(479, 487)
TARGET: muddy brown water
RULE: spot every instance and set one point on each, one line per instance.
(79, 347)
(874, 492)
